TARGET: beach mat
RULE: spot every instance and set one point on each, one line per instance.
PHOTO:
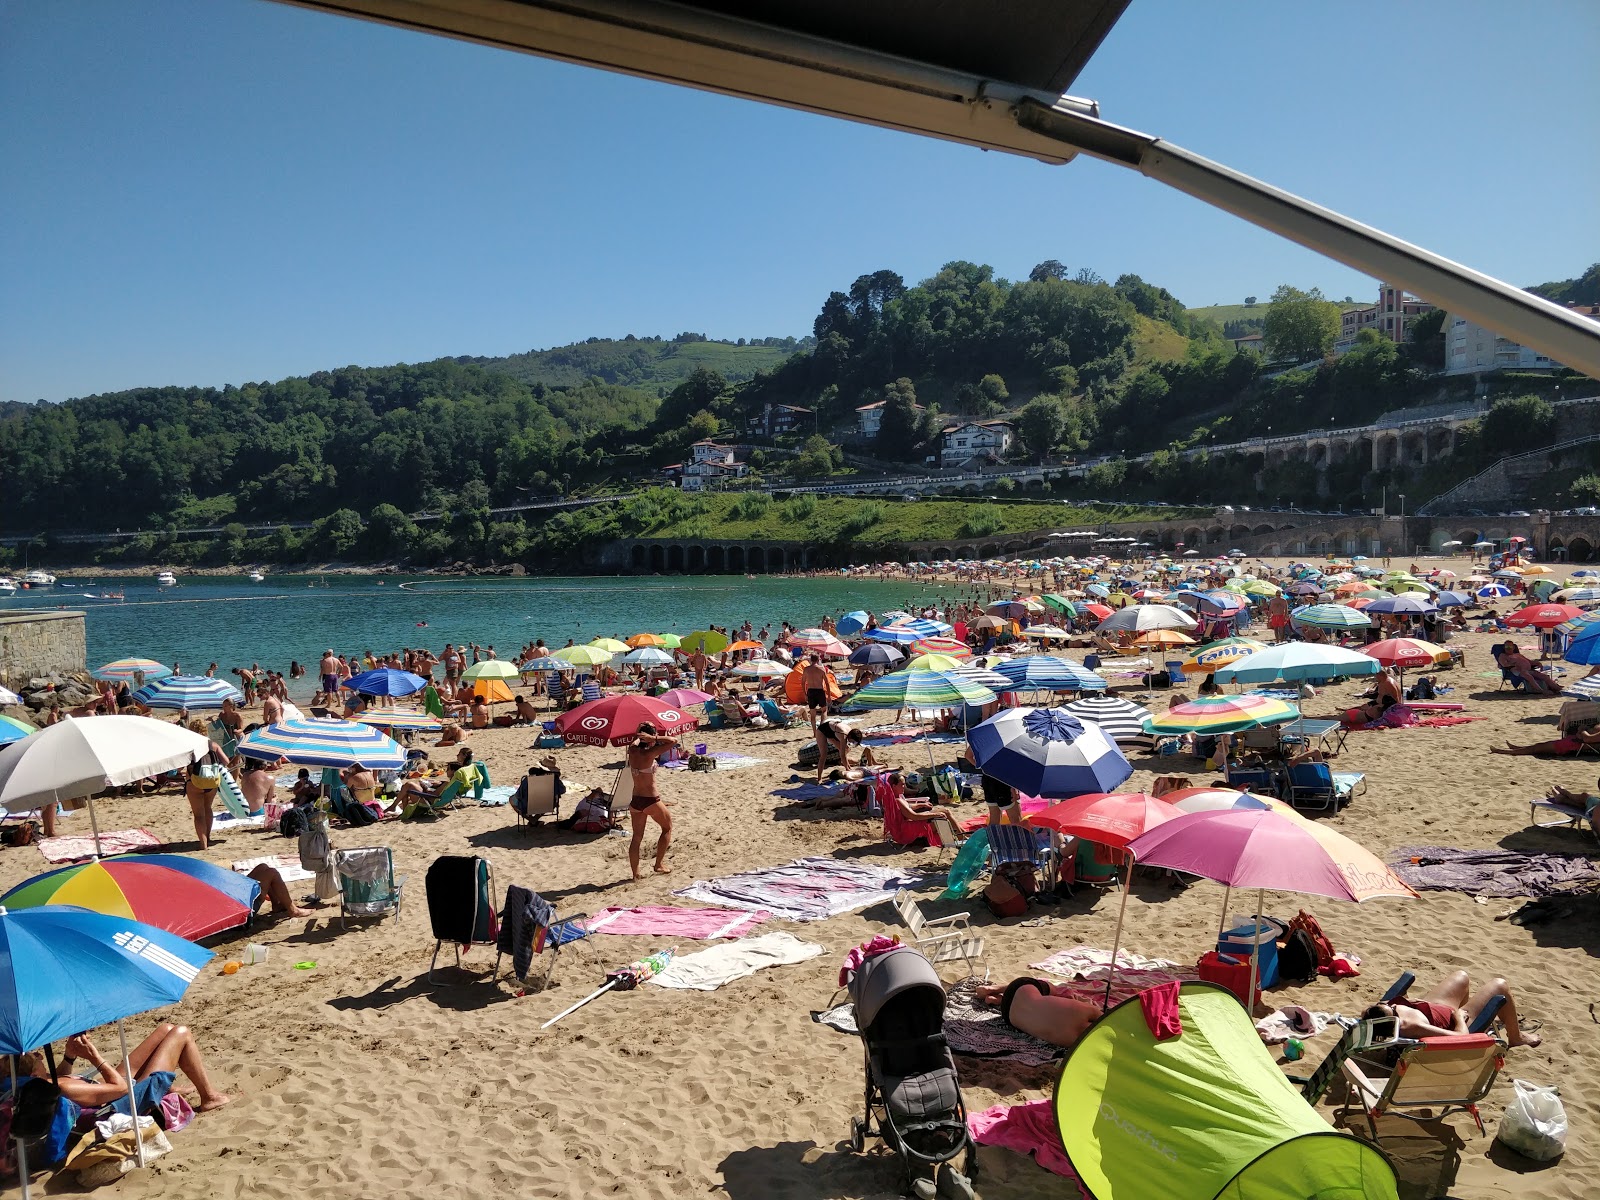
(1086, 970)
(76, 849)
(699, 924)
(707, 970)
(807, 889)
(1490, 872)
(290, 869)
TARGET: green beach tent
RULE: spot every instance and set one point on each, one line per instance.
(1204, 1115)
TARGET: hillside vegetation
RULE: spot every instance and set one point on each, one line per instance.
(649, 363)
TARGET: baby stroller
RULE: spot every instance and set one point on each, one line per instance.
(913, 1098)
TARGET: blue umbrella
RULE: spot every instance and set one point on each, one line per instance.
(852, 623)
(924, 627)
(1584, 650)
(187, 691)
(899, 636)
(1048, 752)
(1297, 660)
(875, 654)
(1493, 591)
(324, 743)
(65, 969)
(1449, 599)
(548, 663)
(385, 681)
(1405, 602)
(1046, 672)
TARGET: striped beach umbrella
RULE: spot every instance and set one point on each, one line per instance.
(818, 641)
(13, 730)
(409, 719)
(893, 635)
(1587, 688)
(1493, 591)
(1146, 617)
(1120, 720)
(949, 647)
(187, 691)
(324, 742)
(924, 627)
(130, 668)
(1047, 672)
(922, 689)
(1332, 616)
(1210, 715)
(1047, 752)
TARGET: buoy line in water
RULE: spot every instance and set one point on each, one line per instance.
(206, 600)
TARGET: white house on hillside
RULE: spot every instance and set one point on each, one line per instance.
(975, 439)
(1469, 348)
(711, 463)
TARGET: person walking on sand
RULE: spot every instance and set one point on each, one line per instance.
(644, 753)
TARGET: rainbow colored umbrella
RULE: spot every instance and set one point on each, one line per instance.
(819, 641)
(185, 896)
(947, 646)
(130, 668)
(13, 730)
(1211, 715)
(401, 718)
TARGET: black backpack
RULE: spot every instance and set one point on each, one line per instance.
(293, 822)
(1297, 957)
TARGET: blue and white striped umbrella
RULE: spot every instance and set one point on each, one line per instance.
(647, 656)
(1493, 591)
(385, 681)
(187, 691)
(1047, 672)
(924, 627)
(1048, 752)
(1587, 688)
(898, 636)
(1331, 616)
(324, 743)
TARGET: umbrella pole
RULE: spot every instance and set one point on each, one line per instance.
(1222, 925)
(94, 827)
(22, 1151)
(127, 1073)
(1255, 955)
(1116, 938)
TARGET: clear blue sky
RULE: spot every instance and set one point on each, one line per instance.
(213, 191)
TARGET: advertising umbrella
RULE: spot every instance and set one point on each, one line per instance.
(1405, 652)
(187, 691)
(1120, 720)
(76, 759)
(324, 742)
(1047, 752)
(64, 970)
(185, 896)
(1143, 618)
(1047, 672)
(1543, 616)
(14, 730)
(1211, 715)
(612, 720)
(1295, 661)
(1215, 655)
(131, 669)
(385, 681)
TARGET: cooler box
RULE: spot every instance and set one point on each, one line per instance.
(1237, 942)
(1233, 976)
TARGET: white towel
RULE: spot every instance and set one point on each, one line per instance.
(706, 970)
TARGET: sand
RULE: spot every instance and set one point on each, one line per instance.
(359, 1079)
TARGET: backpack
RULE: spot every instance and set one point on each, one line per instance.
(42, 1119)
(1297, 957)
(1313, 943)
(293, 822)
(358, 814)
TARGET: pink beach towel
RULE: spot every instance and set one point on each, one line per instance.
(701, 924)
(76, 849)
(1025, 1128)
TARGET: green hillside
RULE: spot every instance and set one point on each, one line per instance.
(647, 363)
(1223, 313)
(1156, 341)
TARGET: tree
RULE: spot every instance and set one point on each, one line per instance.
(1300, 326)
(337, 533)
(1041, 423)
(1585, 489)
(992, 395)
(1048, 269)
(817, 457)
(1425, 340)
(1523, 423)
(1249, 301)
(390, 533)
(897, 433)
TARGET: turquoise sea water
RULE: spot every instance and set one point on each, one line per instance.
(233, 622)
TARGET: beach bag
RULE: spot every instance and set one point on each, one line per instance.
(21, 834)
(1297, 957)
(42, 1119)
(1321, 948)
(590, 816)
(357, 814)
(702, 762)
(1003, 899)
(292, 823)
(1535, 1122)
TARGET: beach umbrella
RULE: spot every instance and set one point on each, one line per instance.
(1449, 599)
(762, 668)
(548, 663)
(1047, 632)
(818, 641)
(684, 697)
(933, 662)
(922, 689)
(875, 654)
(187, 691)
(646, 639)
(647, 656)
(1212, 715)
(924, 627)
(1584, 650)
(1405, 652)
(185, 896)
(983, 676)
(1143, 618)
(409, 719)
(1047, 672)
(1120, 720)
(1047, 752)
(949, 647)
(1587, 688)
(670, 641)
(745, 644)
(986, 623)
(853, 622)
(1163, 638)
(1220, 799)
(1493, 591)
(1508, 573)
(893, 635)
(77, 759)
(582, 656)
(385, 681)
(1405, 602)
(7, 696)
(131, 669)
(707, 641)
(1262, 848)
(1332, 616)
(1058, 602)
(612, 720)
(1215, 655)
(324, 742)
(1295, 661)
(65, 969)
(1585, 573)
(13, 730)
(1543, 616)
(495, 668)
(609, 644)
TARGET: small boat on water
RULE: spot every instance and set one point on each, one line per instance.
(166, 579)
(256, 577)
(8, 587)
(38, 579)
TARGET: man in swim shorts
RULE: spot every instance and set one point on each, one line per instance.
(329, 668)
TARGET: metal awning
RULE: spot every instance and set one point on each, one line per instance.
(991, 74)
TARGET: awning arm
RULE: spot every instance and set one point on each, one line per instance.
(1545, 327)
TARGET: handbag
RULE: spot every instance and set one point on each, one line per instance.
(1003, 899)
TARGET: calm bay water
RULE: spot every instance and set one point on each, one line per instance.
(233, 622)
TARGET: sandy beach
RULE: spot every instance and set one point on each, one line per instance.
(359, 1079)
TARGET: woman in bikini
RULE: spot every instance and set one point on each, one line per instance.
(644, 753)
(1451, 1007)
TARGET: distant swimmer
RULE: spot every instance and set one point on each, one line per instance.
(422, 624)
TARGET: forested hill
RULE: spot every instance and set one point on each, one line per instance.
(652, 363)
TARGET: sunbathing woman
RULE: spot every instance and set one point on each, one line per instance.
(1032, 1006)
(915, 808)
(1574, 742)
(1450, 1008)
(155, 1062)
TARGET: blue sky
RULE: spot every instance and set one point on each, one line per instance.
(214, 191)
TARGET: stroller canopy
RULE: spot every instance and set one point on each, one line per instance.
(902, 975)
(1204, 1115)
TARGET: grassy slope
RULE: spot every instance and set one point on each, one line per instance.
(647, 365)
(1156, 341)
(916, 521)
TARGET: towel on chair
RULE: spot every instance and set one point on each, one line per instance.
(525, 913)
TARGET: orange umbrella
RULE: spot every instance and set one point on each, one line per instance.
(639, 640)
(1163, 637)
(746, 644)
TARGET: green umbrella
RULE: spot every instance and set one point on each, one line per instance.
(583, 656)
(708, 640)
(492, 668)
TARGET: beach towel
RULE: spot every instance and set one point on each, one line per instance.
(1086, 970)
(707, 970)
(807, 889)
(698, 924)
(228, 823)
(809, 791)
(727, 760)
(1490, 872)
(495, 797)
(974, 1030)
(75, 849)
(1026, 1128)
(290, 869)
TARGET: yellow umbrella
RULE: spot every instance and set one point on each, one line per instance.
(610, 645)
(1221, 654)
(1536, 569)
(934, 662)
(1163, 637)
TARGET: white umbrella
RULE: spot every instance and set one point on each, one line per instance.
(1143, 618)
(7, 696)
(76, 759)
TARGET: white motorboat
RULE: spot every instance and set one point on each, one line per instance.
(256, 576)
(37, 579)
(8, 587)
(166, 579)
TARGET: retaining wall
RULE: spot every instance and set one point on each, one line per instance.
(36, 642)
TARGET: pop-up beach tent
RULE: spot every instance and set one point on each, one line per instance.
(1205, 1115)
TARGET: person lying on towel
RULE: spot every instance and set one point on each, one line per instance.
(1032, 1006)
(1573, 743)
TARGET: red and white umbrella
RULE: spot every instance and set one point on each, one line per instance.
(612, 720)
(1405, 652)
(1543, 616)
(944, 645)
(819, 641)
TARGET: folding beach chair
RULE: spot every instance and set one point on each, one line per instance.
(1262, 738)
(1023, 845)
(1311, 785)
(1442, 1075)
(368, 886)
(529, 927)
(950, 838)
(776, 716)
(942, 939)
(1562, 816)
(591, 691)
(459, 906)
(1260, 781)
(535, 798)
(556, 689)
(621, 796)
